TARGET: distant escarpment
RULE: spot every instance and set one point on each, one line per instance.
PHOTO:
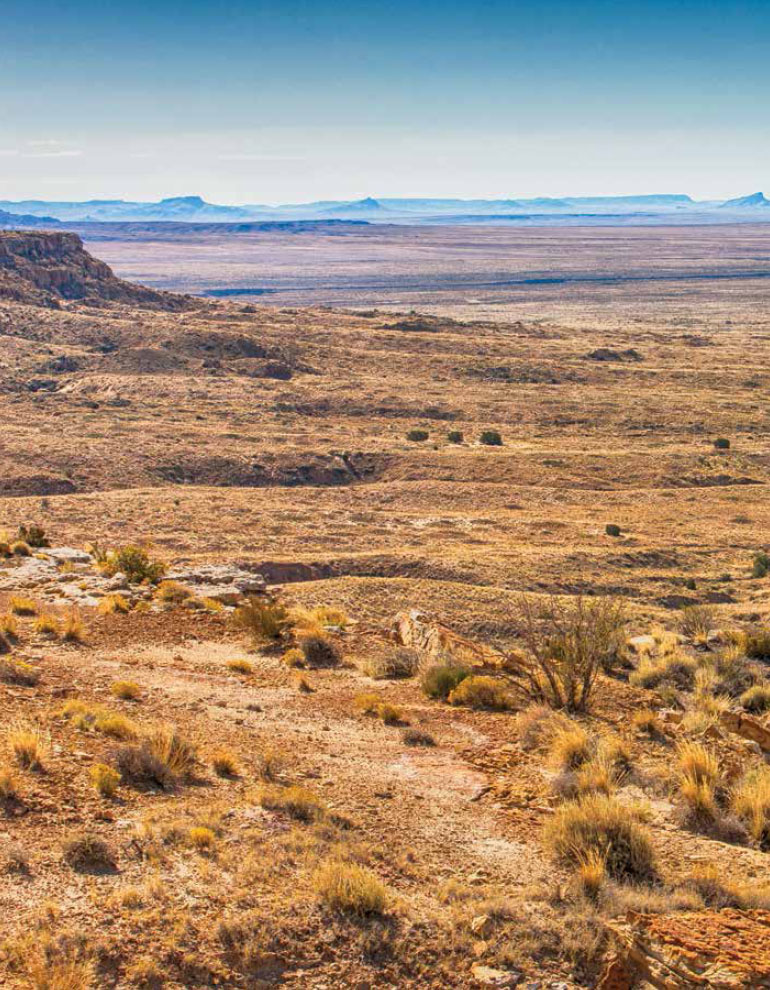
(48, 269)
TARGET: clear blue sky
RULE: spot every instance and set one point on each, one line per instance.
(285, 101)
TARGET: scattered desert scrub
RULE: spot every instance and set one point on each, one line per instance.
(133, 561)
(47, 625)
(126, 690)
(756, 699)
(600, 825)
(350, 889)
(271, 762)
(172, 592)
(114, 603)
(417, 737)
(481, 693)
(675, 670)
(751, 803)
(320, 651)
(88, 854)
(490, 438)
(14, 859)
(239, 665)
(263, 621)
(570, 644)
(295, 801)
(440, 680)
(398, 663)
(73, 630)
(28, 745)
(22, 606)
(224, 763)
(104, 779)
(734, 674)
(18, 672)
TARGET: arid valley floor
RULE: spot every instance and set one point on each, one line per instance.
(328, 437)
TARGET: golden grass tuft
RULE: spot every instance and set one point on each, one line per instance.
(172, 592)
(479, 692)
(698, 763)
(9, 789)
(571, 747)
(600, 825)
(47, 625)
(104, 779)
(202, 838)
(28, 745)
(60, 974)
(112, 604)
(295, 801)
(9, 627)
(224, 763)
(751, 803)
(240, 665)
(22, 606)
(294, 657)
(350, 889)
(126, 690)
(73, 630)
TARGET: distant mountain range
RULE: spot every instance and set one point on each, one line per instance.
(193, 209)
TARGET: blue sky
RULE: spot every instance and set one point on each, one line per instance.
(287, 101)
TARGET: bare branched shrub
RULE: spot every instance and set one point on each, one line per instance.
(569, 645)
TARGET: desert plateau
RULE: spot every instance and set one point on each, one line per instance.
(404, 626)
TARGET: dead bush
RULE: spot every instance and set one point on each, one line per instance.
(570, 644)
(320, 651)
(89, 854)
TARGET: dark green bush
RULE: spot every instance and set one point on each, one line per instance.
(722, 443)
(455, 436)
(612, 530)
(491, 438)
(760, 564)
(417, 435)
(441, 680)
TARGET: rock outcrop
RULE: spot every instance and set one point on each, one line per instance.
(49, 268)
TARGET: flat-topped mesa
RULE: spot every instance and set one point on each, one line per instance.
(48, 268)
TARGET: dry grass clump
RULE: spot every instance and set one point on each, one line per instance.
(537, 725)
(60, 974)
(479, 692)
(373, 704)
(104, 779)
(18, 673)
(351, 889)
(702, 794)
(172, 592)
(20, 548)
(647, 723)
(675, 669)
(224, 763)
(756, 643)
(297, 802)
(389, 714)
(87, 718)
(599, 825)
(240, 666)
(19, 605)
(294, 657)
(319, 618)
(202, 838)
(751, 803)
(570, 645)
(33, 535)
(47, 625)
(417, 737)
(571, 747)
(162, 758)
(89, 854)
(440, 680)
(591, 874)
(756, 699)
(271, 763)
(9, 789)
(112, 604)
(28, 745)
(263, 621)
(398, 663)
(320, 651)
(9, 627)
(126, 690)
(73, 630)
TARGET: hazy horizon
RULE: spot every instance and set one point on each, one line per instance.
(294, 102)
